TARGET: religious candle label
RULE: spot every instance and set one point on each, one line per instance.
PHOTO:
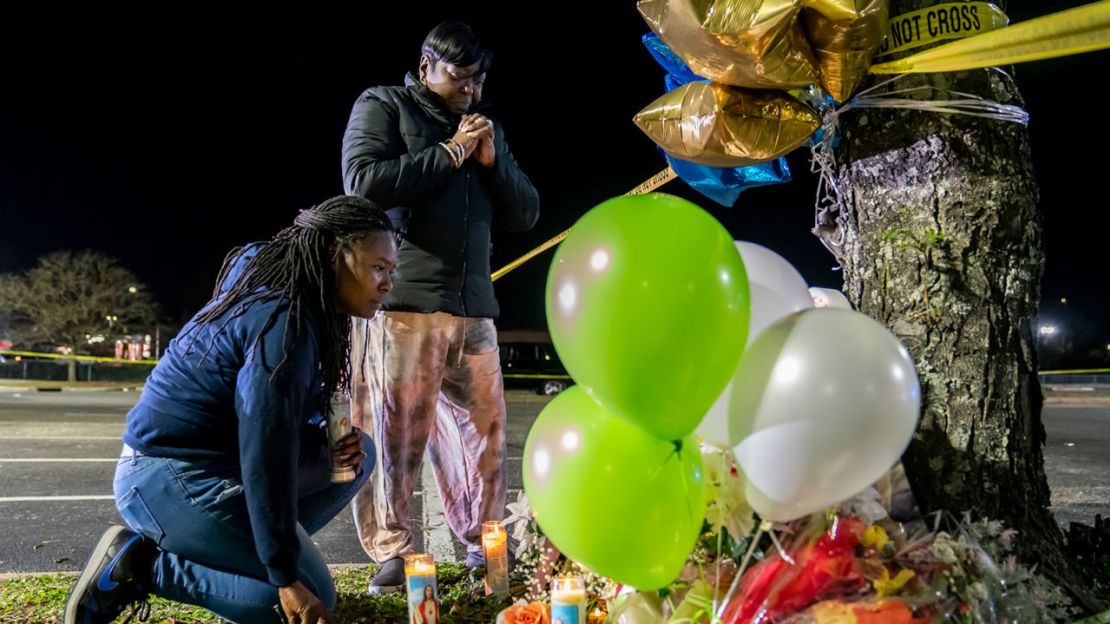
(568, 613)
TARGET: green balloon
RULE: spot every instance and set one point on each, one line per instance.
(647, 303)
(610, 495)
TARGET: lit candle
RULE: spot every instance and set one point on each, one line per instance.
(420, 582)
(495, 543)
(568, 600)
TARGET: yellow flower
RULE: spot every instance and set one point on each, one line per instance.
(886, 586)
(876, 536)
(726, 503)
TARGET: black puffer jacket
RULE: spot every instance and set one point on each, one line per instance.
(392, 156)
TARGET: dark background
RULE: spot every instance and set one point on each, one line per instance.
(166, 140)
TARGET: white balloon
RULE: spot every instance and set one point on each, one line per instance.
(823, 403)
(829, 298)
(713, 428)
(777, 289)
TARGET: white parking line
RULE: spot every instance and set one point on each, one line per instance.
(35, 499)
(50, 460)
(52, 438)
(437, 535)
(73, 429)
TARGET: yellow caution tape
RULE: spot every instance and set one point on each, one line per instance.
(953, 20)
(647, 186)
(79, 358)
(1083, 29)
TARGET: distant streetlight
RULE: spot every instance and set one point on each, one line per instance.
(1048, 330)
(1063, 299)
(132, 290)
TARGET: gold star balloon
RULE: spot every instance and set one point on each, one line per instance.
(744, 43)
(721, 126)
(844, 34)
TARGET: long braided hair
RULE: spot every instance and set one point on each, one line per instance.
(297, 266)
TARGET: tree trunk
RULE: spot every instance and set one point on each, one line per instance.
(71, 370)
(940, 240)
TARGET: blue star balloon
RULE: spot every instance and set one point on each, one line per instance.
(722, 185)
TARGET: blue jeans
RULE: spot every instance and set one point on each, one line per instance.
(196, 512)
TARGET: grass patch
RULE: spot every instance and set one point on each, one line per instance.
(39, 600)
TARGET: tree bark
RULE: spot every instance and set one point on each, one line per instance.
(940, 240)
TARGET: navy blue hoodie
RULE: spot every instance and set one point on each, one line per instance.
(218, 393)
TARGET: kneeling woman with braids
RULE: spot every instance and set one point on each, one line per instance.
(225, 468)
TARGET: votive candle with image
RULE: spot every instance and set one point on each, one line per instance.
(420, 584)
(568, 600)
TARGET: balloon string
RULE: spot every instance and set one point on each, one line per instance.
(677, 452)
(830, 214)
(725, 464)
(764, 527)
(717, 576)
(782, 551)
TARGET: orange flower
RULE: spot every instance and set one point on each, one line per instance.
(881, 612)
(531, 613)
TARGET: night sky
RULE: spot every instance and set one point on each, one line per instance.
(168, 140)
